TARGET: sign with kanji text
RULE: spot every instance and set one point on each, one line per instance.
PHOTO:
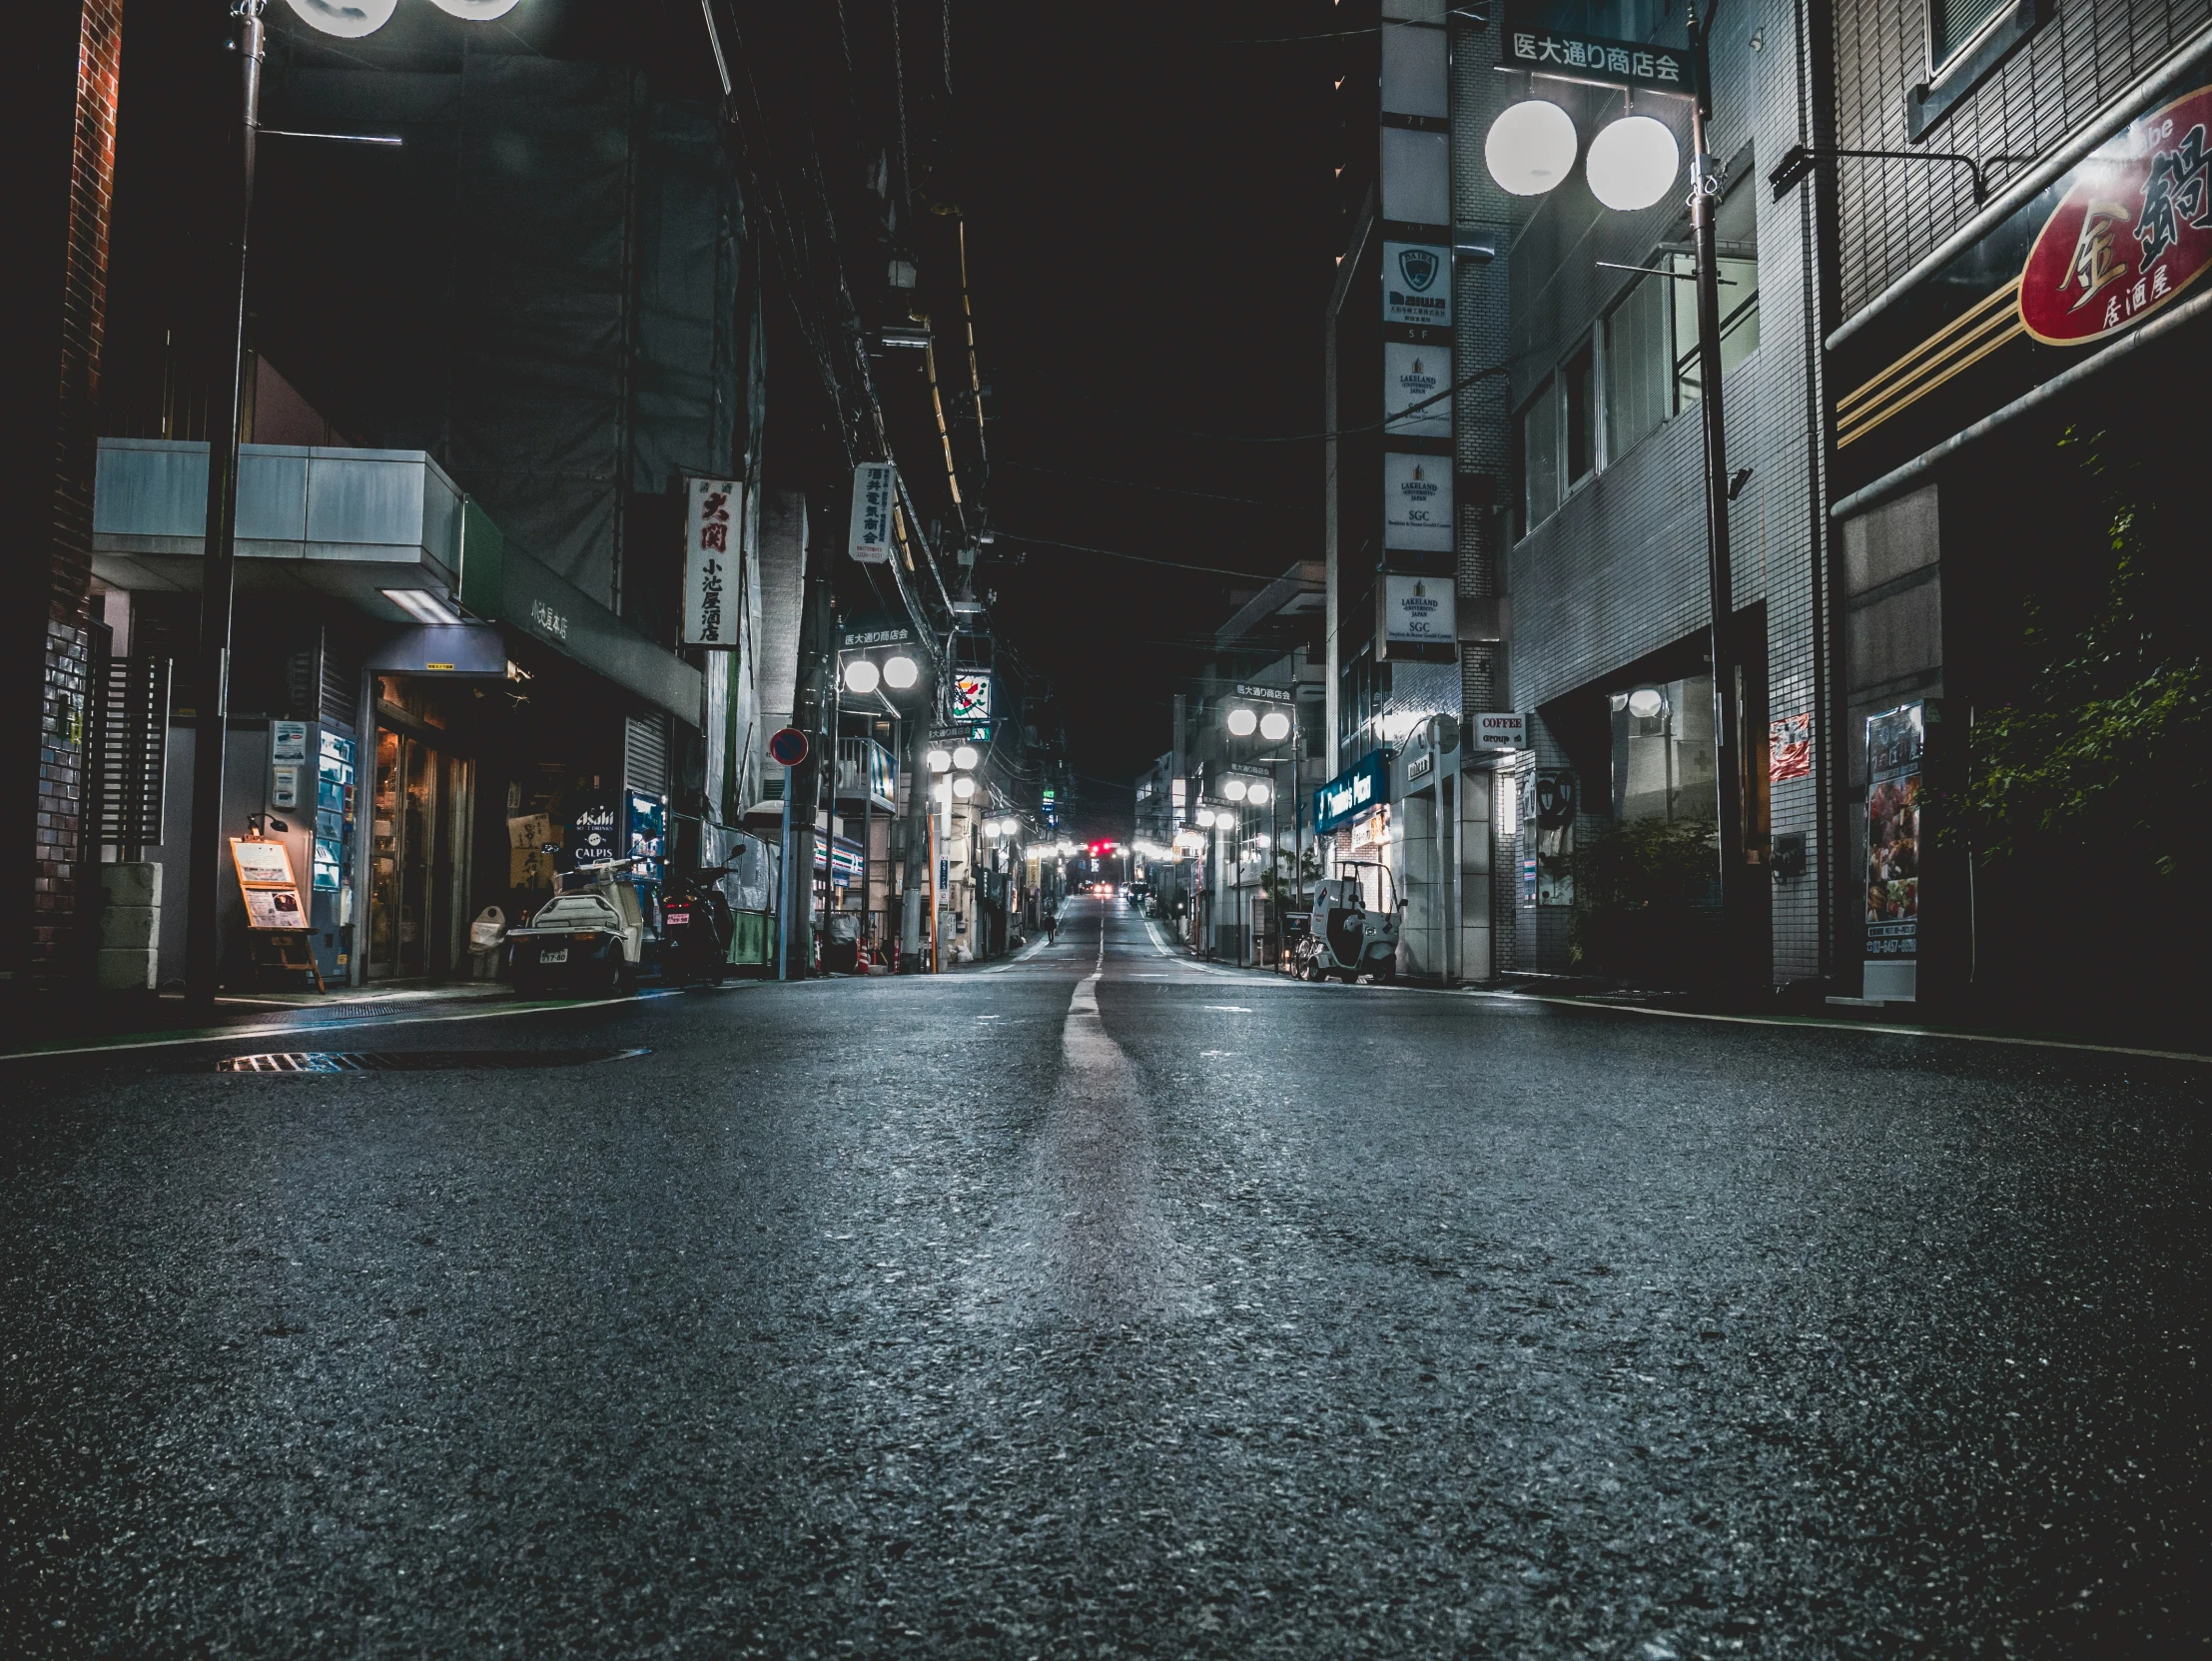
(875, 500)
(2133, 229)
(713, 533)
(1624, 63)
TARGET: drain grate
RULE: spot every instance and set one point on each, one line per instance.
(416, 1060)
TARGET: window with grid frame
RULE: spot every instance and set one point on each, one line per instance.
(1954, 24)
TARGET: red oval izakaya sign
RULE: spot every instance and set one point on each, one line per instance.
(2132, 232)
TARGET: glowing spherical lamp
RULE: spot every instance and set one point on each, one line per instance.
(1206, 817)
(963, 787)
(1645, 702)
(941, 761)
(1531, 147)
(1243, 722)
(965, 757)
(862, 676)
(1274, 726)
(1234, 789)
(1257, 795)
(1632, 163)
(899, 671)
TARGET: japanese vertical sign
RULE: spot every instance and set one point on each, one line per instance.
(710, 611)
(875, 500)
(2134, 230)
(1894, 741)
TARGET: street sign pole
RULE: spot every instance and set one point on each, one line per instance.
(787, 749)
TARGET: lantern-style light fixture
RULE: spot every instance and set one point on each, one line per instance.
(1257, 793)
(1531, 147)
(862, 676)
(1243, 722)
(965, 757)
(941, 761)
(1234, 789)
(1632, 163)
(1274, 726)
(899, 671)
(964, 786)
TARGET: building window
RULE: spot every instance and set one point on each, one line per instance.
(1639, 389)
(1582, 416)
(1953, 25)
(1663, 752)
(1540, 456)
(1738, 320)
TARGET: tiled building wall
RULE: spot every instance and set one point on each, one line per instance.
(1619, 571)
(1893, 214)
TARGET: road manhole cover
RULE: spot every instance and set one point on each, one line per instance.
(415, 1061)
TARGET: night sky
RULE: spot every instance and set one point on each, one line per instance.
(1152, 228)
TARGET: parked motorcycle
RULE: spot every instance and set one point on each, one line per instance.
(695, 927)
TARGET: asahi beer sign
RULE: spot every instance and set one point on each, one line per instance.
(710, 612)
(1415, 381)
(1417, 503)
(2134, 230)
(875, 500)
(1417, 283)
(1418, 611)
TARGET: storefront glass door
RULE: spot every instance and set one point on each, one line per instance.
(418, 858)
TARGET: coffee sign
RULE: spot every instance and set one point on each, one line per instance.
(2132, 230)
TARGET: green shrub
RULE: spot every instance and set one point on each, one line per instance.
(1645, 899)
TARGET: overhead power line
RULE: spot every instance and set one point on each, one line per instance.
(1165, 489)
(1294, 437)
(1139, 558)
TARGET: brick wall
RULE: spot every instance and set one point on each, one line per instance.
(67, 242)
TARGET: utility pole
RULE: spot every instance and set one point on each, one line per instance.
(1705, 195)
(204, 888)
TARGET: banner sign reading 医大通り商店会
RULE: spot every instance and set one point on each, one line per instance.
(1625, 62)
(713, 542)
(1417, 283)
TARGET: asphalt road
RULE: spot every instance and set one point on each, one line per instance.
(1101, 1304)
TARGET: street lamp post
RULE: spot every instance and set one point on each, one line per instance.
(1629, 165)
(204, 888)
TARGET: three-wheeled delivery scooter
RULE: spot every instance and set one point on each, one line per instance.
(1343, 937)
(587, 941)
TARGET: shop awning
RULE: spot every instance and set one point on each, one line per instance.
(363, 524)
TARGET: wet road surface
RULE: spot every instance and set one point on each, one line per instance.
(1102, 1302)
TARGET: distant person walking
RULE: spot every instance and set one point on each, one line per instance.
(1051, 927)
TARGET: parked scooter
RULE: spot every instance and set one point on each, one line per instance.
(695, 927)
(587, 941)
(1343, 938)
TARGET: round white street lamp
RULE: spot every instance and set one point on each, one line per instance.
(1531, 147)
(1257, 794)
(862, 676)
(899, 671)
(1207, 817)
(965, 757)
(963, 787)
(1632, 163)
(1241, 722)
(1235, 790)
(941, 761)
(1274, 726)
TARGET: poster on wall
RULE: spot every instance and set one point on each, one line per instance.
(1551, 820)
(1417, 503)
(1789, 748)
(1417, 283)
(711, 558)
(1415, 379)
(1895, 739)
(530, 846)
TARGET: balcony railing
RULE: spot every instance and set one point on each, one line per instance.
(866, 769)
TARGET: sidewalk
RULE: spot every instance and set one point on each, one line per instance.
(130, 1024)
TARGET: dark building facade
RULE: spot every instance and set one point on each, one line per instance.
(2015, 350)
